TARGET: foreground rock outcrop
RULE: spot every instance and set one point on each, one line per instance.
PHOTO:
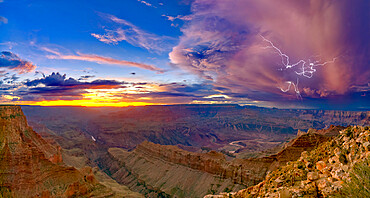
(32, 167)
(330, 169)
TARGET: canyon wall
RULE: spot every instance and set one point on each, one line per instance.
(30, 166)
(165, 170)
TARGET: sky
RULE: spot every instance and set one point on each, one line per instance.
(281, 53)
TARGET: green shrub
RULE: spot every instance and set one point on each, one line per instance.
(349, 132)
(5, 192)
(227, 189)
(359, 185)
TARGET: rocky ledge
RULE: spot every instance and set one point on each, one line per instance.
(332, 169)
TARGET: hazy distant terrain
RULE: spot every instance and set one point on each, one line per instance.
(223, 127)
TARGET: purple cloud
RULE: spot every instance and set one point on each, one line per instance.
(58, 80)
(223, 43)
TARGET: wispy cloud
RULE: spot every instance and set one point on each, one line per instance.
(86, 77)
(12, 61)
(100, 60)
(179, 17)
(134, 35)
(3, 20)
(146, 3)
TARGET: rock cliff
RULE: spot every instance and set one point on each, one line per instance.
(31, 167)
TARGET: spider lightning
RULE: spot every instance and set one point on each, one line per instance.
(307, 68)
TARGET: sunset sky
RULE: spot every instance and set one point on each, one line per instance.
(281, 53)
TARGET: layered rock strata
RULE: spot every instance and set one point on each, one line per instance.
(154, 169)
(31, 167)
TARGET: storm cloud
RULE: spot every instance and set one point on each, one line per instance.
(58, 80)
(223, 43)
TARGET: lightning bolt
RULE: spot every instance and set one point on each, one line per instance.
(295, 85)
(307, 68)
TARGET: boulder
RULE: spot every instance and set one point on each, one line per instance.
(320, 165)
(312, 176)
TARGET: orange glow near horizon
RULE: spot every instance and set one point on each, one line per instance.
(89, 103)
(118, 97)
(96, 98)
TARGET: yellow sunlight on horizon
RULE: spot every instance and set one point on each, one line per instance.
(89, 103)
(99, 98)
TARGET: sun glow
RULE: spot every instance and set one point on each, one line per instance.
(218, 96)
(89, 103)
(101, 98)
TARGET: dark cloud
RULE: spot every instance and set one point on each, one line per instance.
(58, 87)
(39, 72)
(175, 93)
(86, 77)
(55, 79)
(223, 43)
(202, 89)
(12, 61)
(58, 80)
(11, 79)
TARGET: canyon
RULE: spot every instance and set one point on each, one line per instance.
(189, 126)
(214, 148)
(155, 151)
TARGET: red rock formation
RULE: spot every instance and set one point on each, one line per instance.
(242, 171)
(30, 166)
(136, 168)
